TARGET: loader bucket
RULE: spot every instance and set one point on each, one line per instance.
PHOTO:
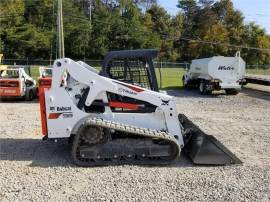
(204, 149)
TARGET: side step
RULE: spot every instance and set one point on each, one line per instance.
(204, 149)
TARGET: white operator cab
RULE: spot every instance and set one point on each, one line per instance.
(45, 71)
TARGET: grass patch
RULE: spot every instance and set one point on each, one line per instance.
(171, 78)
(259, 71)
(34, 72)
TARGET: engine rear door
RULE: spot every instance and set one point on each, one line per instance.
(10, 88)
(44, 85)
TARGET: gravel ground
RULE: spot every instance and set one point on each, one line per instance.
(32, 170)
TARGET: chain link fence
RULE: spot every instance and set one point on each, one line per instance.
(169, 74)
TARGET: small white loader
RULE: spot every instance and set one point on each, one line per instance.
(16, 82)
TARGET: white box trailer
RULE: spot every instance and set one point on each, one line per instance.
(216, 73)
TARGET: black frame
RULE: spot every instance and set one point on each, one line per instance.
(144, 55)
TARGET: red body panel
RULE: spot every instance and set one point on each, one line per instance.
(123, 105)
(10, 88)
(54, 115)
(44, 84)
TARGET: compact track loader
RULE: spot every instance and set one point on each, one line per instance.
(16, 82)
(112, 122)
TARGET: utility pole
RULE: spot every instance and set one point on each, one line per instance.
(90, 10)
(60, 32)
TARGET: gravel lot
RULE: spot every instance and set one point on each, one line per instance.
(33, 170)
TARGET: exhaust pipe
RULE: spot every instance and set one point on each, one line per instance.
(204, 149)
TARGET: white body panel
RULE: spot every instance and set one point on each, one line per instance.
(61, 101)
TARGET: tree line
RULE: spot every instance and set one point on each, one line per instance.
(200, 29)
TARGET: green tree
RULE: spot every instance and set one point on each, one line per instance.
(162, 25)
(257, 37)
(77, 31)
(101, 26)
(233, 20)
(28, 29)
(11, 16)
(27, 41)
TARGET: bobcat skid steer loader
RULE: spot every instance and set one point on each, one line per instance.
(110, 122)
(16, 82)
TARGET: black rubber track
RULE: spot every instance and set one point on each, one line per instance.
(129, 130)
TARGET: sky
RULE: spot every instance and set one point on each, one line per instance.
(254, 10)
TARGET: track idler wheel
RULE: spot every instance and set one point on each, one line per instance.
(116, 157)
(129, 157)
(92, 134)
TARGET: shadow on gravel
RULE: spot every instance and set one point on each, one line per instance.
(49, 154)
(40, 153)
(255, 93)
(192, 93)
